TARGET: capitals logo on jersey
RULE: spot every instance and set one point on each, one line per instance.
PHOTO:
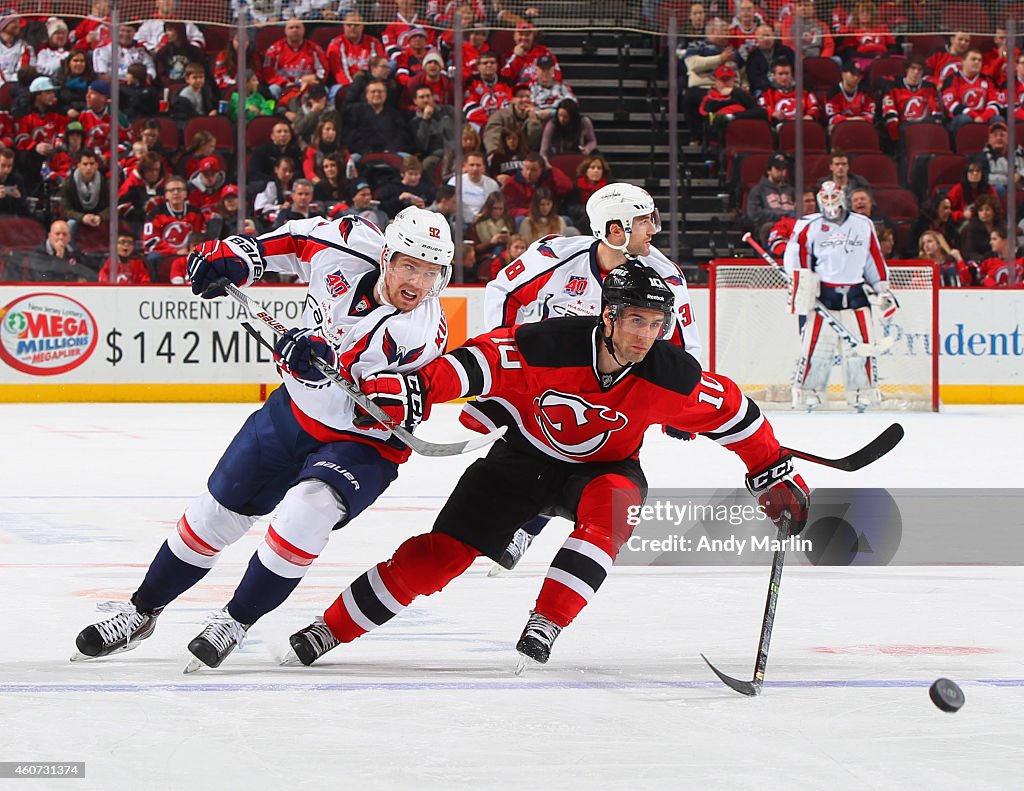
(574, 426)
(576, 286)
(397, 355)
(546, 251)
(336, 283)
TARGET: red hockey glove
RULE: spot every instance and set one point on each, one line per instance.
(296, 349)
(782, 493)
(237, 258)
(402, 396)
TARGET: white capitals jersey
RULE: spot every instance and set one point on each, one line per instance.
(559, 276)
(340, 260)
(842, 254)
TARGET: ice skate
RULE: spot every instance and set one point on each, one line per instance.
(222, 635)
(536, 640)
(122, 632)
(513, 553)
(309, 644)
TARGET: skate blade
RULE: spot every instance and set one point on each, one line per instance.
(78, 656)
(496, 570)
(291, 659)
(524, 663)
(193, 665)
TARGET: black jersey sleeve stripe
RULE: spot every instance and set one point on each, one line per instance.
(738, 425)
(474, 375)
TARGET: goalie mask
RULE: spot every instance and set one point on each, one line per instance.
(832, 201)
(423, 235)
(620, 203)
(638, 286)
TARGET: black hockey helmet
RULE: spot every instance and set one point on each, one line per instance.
(635, 285)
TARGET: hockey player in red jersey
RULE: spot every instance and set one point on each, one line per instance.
(372, 305)
(562, 276)
(831, 256)
(577, 395)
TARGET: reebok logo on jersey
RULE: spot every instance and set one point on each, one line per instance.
(336, 283)
(576, 286)
(574, 426)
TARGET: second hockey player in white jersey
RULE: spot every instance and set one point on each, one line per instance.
(371, 306)
(832, 256)
(564, 276)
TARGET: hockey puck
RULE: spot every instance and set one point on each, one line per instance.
(946, 695)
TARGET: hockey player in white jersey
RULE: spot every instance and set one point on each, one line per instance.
(832, 256)
(371, 306)
(563, 276)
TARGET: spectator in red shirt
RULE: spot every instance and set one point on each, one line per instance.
(969, 96)
(485, 92)
(865, 39)
(37, 131)
(409, 61)
(350, 53)
(394, 36)
(292, 64)
(519, 190)
(94, 30)
(131, 269)
(742, 32)
(910, 100)
(779, 100)
(521, 65)
(947, 60)
(207, 186)
(995, 272)
(167, 228)
(848, 101)
(432, 77)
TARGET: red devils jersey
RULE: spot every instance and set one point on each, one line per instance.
(166, 231)
(283, 65)
(779, 236)
(346, 59)
(407, 66)
(524, 68)
(483, 98)
(905, 104)
(34, 128)
(97, 129)
(396, 35)
(961, 95)
(942, 64)
(777, 99)
(541, 381)
(843, 106)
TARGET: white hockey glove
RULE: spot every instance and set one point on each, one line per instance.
(887, 306)
(237, 258)
(804, 291)
(782, 493)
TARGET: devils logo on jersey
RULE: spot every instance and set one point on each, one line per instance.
(397, 355)
(336, 283)
(574, 426)
(176, 233)
(577, 286)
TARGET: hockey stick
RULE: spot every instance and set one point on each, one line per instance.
(421, 446)
(857, 346)
(873, 451)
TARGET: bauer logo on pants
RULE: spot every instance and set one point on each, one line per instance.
(574, 426)
(46, 334)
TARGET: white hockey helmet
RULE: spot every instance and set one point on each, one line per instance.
(832, 201)
(620, 202)
(424, 235)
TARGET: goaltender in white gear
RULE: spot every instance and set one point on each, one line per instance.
(832, 256)
(562, 276)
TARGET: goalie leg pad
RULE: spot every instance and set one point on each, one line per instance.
(859, 373)
(805, 290)
(810, 385)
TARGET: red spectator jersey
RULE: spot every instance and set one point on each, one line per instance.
(777, 99)
(166, 231)
(842, 106)
(129, 272)
(541, 380)
(524, 68)
(973, 97)
(7, 130)
(407, 66)
(442, 89)
(941, 64)
(34, 128)
(996, 274)
(993, 65)
(903, 104)
(999, 99)
(779, 236)
(97, 129)
(867, 43)
(744, 41)
(346, 59)
(483, 98)
(79, 37)
(283, 65)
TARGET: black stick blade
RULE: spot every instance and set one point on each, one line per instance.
(873, 451)
(749, 688)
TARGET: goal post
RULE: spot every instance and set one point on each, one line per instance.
(755, 340)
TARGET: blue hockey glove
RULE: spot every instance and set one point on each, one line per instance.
(237, 258)
(677, 433)
(295, 351)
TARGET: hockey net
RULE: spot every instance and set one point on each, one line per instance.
(755, 341)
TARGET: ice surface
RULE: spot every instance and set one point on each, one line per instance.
(88, 493)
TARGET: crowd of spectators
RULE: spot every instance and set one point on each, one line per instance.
(358, 122)
(740, 66)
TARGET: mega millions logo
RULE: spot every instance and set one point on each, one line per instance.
(46, 334)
